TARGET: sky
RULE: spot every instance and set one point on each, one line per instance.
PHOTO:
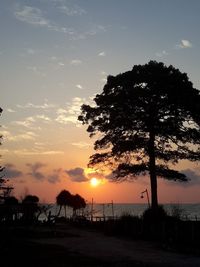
(55, 55)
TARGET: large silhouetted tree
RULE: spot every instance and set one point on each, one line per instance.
(147, 119)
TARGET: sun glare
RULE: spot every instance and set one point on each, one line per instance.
(94, 182)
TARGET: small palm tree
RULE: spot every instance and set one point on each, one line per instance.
(78, 203)
(63, 199)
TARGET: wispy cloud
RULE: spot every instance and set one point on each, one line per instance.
(43, 117)
(61, 64)
(71, 11)
(94, 30)
(81, 144)
(7, 135)
(30, 51)
(36, 17)
(27, 122)
(76, 62)
(72, 111)
(37, 71)
(162, 53)
(32, 121)
(10, 110)
(31, 15)
(184, 44)
(23, 137)
(46, 105)
(103, 76)
(102, 54)
(77, 175)
(35, 152)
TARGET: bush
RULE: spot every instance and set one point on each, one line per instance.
(153, 222)
(155, 215)
(177, 211)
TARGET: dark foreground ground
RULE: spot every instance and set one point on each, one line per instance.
(68, 246)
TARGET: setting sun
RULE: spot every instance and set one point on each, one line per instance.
(94, 182)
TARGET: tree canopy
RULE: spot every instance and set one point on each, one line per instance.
(65, 198)
(147, 119)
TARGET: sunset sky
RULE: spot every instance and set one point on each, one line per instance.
(55, 55)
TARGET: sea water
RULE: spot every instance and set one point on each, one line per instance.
(187, 211)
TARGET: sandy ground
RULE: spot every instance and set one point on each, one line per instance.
(97, 245)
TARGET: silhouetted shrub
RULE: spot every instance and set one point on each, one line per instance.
(30, 208)
(155, 215)
(177, 211)
(153, 223)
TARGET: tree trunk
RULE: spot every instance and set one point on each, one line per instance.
(65, 212)
(152, 171)
(59, 211)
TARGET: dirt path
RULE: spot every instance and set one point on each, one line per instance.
(97, 245)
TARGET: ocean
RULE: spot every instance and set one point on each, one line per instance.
(187, 211)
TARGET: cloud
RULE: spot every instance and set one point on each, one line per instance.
(71, 113)
(37, 71)
(162, 53)
(193, 175)
(55, 176)
(31, 121)
(76, 62)
(184, 44)
(10, 110)
(10, 171)
(94, 30)
(102, 54)
(103, 76)
(22, 137)
(61, 64)
(36, 173)
(103, 80)
(30, 51)
(81, 144)
(46, 105)
(35, 152)
(43, 118)
(27, 122)
(97, 174)
(79, 86)
(31, 15)
(77, 175)
(53, 58)
(103, 73)
(71, 11)
(35, 170)
(34, 16)
(18, 137)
